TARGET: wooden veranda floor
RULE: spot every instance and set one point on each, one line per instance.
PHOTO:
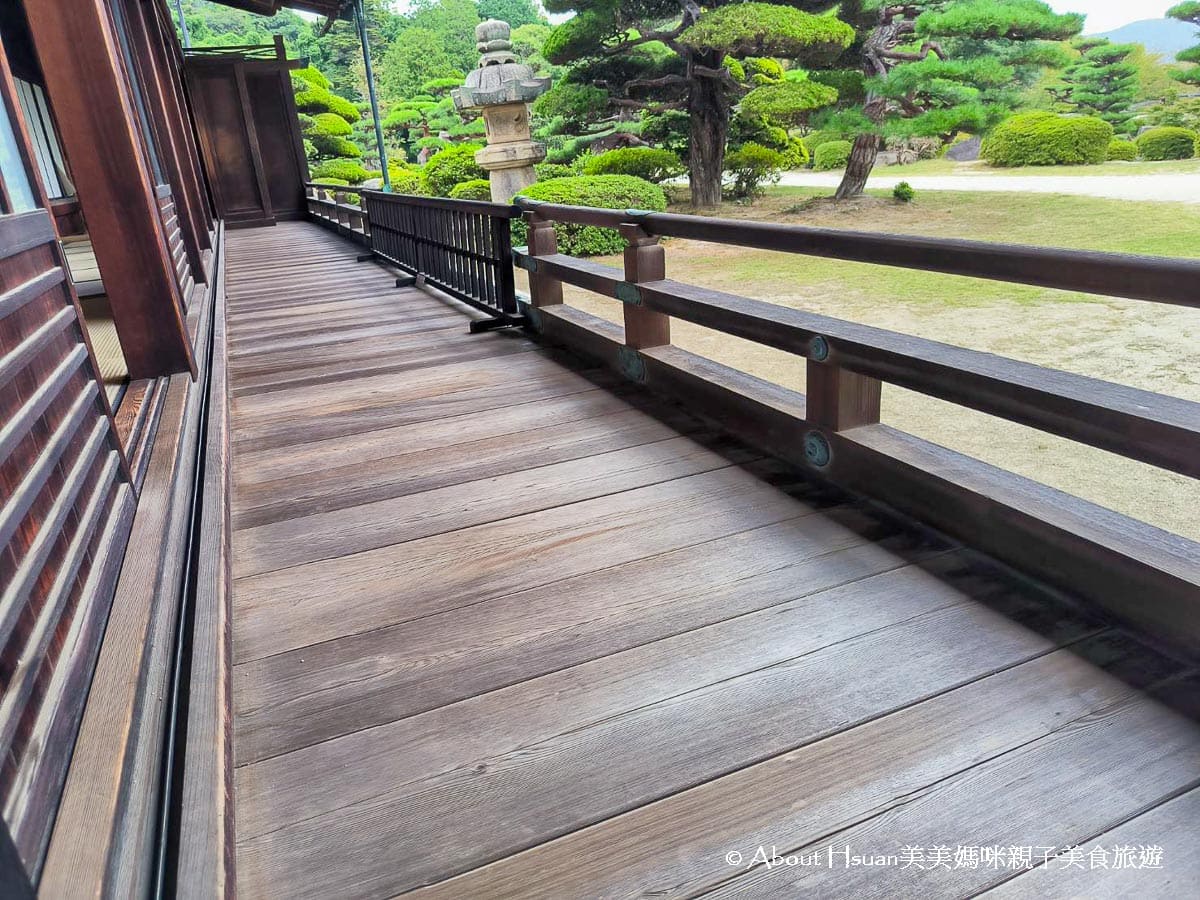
(506, 627)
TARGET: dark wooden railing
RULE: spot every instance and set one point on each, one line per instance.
(462, 247)
(343, 209)
(1144, 574)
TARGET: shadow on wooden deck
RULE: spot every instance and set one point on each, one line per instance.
(507, 627)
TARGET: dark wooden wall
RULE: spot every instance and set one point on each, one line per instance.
(249, 136)
(66, 508)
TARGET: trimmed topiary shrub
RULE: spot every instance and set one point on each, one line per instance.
(903, 192)
(330, 124)
(547, 170)
(330, 145)
(1126, 151)
(316, 99)
(475, 189)
(641, 162)
(832, 155)
(752, 167)
(348, 170)
(332, 182)
(452, 166)
(1167, 142)
(601, 191)
(1045, 139)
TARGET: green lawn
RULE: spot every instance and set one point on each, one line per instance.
(950, 167)
(1147, 345)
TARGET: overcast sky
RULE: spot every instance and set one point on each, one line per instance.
(1105, 15)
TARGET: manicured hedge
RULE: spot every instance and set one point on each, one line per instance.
(452, 166)
(1126, 151)
(475, 189)
(1167, 142)
(751, 167)
(349, 170)
(1046, 139)
(832, 155)
(547, 170)
(601, 191)
(650, 163)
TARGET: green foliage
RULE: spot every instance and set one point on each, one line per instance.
(1102, 83)
(315, 99)
(452, 166)
(349, 170)
(752, 167)
(1045, 139)
(330, 124)
(311, 75)
(903, 192)
(328, 145)
(416, 57)
(643, 162)
(1167, 142)
(1125, 151)
(332, 182)
(767, 29)
(515, 12)
(668, 129)
(574, 103)
(1183, 113)
(602, 191)
(547, 170)
(1188, 11)
(787, 103)
(438, 87)
(475, 189)
(832, 155)
(763, 70)
(992, 20)
(849, 84)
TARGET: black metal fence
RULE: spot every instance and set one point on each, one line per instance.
(461, 247)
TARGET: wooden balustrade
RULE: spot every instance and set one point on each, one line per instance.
(1135, 570)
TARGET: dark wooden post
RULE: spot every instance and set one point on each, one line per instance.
(543, 290)
(836, 400)
(645, 260)
(81, 57)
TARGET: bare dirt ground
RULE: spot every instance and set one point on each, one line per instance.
(1146, 345)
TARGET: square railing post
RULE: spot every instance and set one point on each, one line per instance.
(543, 289)
(645, 260)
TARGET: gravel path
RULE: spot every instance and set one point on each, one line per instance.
(1176, 188)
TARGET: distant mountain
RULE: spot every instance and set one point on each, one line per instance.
(1165, 36)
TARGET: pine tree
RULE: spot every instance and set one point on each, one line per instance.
(936, 67)
(675, 55)
(1102, 83)
(1188, 12)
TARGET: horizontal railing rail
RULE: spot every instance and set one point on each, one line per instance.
(461, 247)
(1162, 279)
(332, 205)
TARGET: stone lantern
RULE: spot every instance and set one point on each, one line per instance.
(502, 89)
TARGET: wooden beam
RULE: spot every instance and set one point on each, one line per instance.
(81, 56)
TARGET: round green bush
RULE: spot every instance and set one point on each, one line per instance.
(547, 170)
(1167, 142)
(832, 155)
(405, 179)
(475, 189)
(331, 182)
(328, 145)
(601, 191)
(452, 166)
(642, 162)
(1045, 139)
(349, 170)
(331, 124)
(752, 167)
(903, 192)
(1126, 151)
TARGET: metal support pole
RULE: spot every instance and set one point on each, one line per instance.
(187, 38)
(360, 19)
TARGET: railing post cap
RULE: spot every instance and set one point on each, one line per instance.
(639, 213)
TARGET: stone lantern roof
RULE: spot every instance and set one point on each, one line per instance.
(499, 78)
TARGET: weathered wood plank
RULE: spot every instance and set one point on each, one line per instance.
(506, 802)
(285, 610)
(678, 847)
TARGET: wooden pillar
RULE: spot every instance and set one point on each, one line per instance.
(81, 57)
(837, 399)
(645, 260)
(543, 290)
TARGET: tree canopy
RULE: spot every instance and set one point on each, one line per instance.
(1102, 82)
(661, 57)
(1188, 12)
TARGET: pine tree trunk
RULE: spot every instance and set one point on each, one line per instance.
(709, 128)
(858, 168)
